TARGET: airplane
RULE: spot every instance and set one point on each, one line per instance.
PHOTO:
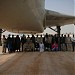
(30, 16)
(25, 16)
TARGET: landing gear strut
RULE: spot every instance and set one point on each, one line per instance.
(58, 32)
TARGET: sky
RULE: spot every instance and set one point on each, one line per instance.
(62, 6)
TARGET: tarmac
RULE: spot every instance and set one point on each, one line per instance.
(36, 63)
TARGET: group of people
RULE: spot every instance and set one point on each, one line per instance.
(48, 42)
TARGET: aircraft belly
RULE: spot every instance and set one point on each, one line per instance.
(21, 15)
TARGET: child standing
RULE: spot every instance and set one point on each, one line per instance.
(41, 46)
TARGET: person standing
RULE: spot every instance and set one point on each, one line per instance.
(46, 42)
(23, 41)
(9, 44)
(73, 42)
(37, 43)
(69, 43)
(28, 39)
(4, 44)
(50, 41)
(62, 41)
(17, 42)
(40, 39)
(65, 43)
(37, 39)
(13, 43)
(33, 39)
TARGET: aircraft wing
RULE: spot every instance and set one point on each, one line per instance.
(57, 19)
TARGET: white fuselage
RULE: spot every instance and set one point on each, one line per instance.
(22, 15)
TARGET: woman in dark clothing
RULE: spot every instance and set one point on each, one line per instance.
(13, 43)
(17, 43)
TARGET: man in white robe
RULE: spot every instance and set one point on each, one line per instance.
(41, 46)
